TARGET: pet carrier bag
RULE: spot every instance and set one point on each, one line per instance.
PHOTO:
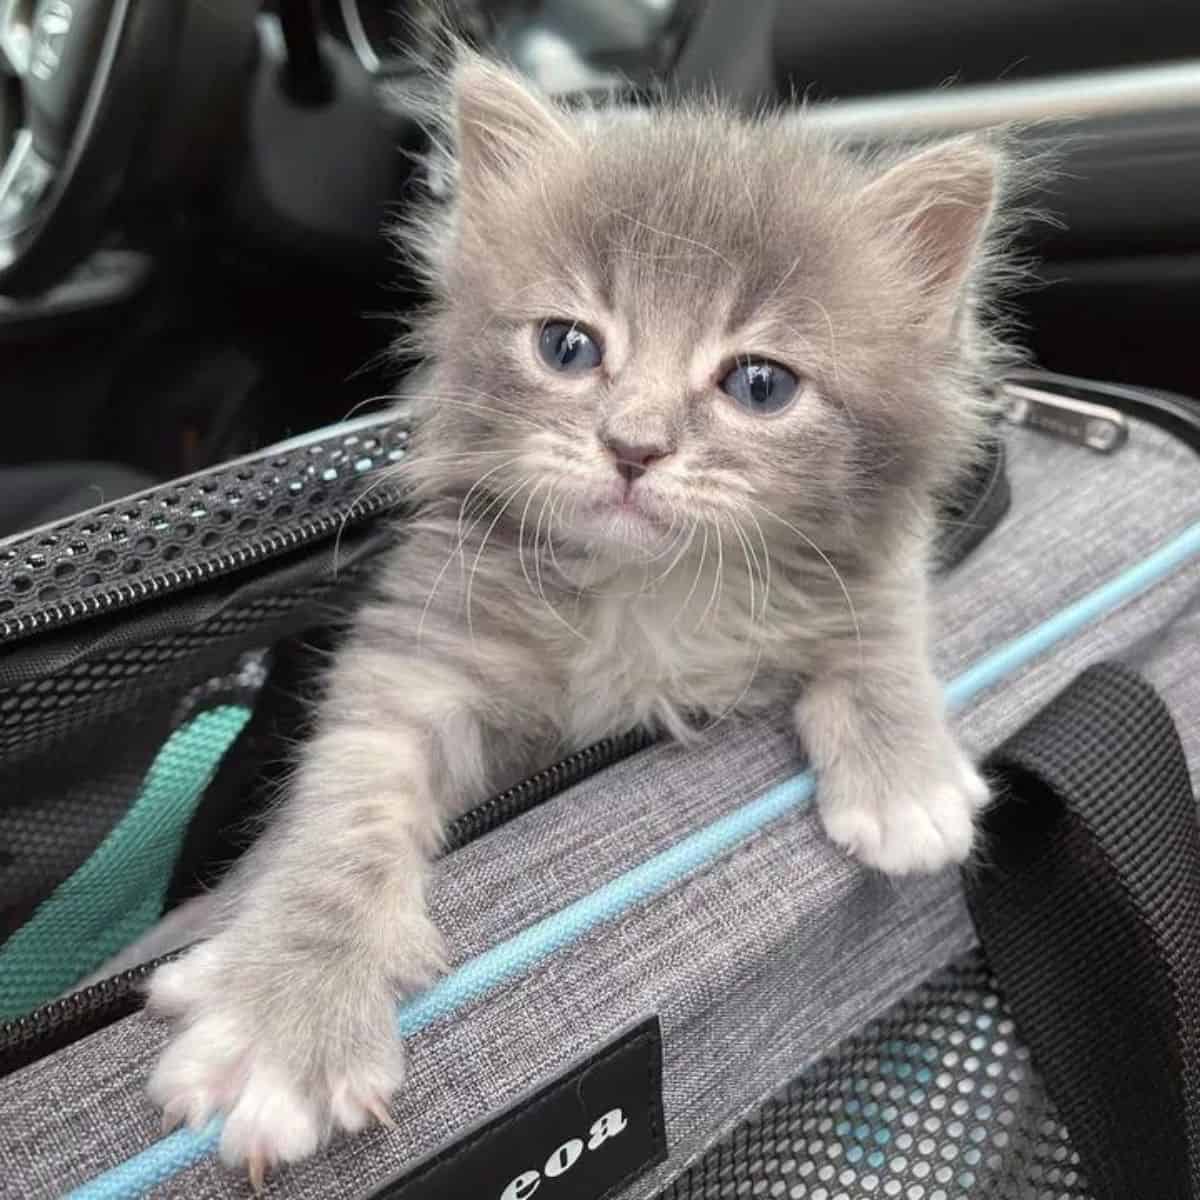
(666, 982)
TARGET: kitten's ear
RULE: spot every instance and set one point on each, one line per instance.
(943, 199)
(502, 124)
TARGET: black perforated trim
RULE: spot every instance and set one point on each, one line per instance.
(197, 528)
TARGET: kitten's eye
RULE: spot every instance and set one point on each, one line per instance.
(760, 386)
(568, 347)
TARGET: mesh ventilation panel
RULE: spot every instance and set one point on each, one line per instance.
(935, 1101)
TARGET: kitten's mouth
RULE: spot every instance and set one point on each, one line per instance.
(630, 515)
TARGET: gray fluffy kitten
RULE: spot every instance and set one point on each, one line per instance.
(694, 383)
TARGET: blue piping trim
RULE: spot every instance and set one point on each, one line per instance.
(1022, 650)
(158, 1162)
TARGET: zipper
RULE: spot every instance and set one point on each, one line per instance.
(1083, 422)
(1174, 414)
(543, 786)
(24, 1040)
(149, 587)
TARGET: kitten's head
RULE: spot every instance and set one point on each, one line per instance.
(647, 320)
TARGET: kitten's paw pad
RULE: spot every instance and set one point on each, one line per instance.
(915, 827)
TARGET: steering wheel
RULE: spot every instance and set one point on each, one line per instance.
(89, 79)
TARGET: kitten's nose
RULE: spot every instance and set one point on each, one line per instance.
(634, 459)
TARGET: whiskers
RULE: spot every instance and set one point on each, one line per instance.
(500, 501)
(540, 590)
(394, 473)
(758, 584)
(741, 524)
(828, 563)
(501, 504)
(474, 400)
(707, 597)
(558, 510)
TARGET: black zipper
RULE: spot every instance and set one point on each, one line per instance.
(24, 1040)
(148, 587)
(543, 786)
(317, 474)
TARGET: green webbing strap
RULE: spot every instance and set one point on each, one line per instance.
(117, 894)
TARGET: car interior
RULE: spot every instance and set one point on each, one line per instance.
(194, 210)
(198, 201)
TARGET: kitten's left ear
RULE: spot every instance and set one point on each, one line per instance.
(942, 199)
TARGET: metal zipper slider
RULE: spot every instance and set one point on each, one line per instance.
(1102, 429)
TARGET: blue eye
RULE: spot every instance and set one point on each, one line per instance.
(760, 386)
(568, 347)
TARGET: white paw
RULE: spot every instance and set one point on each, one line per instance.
(908, 823)
(230, 1059)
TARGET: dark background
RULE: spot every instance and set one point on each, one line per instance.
(234, 342)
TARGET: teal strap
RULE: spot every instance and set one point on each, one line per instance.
(117, 894)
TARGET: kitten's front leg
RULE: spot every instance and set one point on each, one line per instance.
(286, 1018)
(893, 787)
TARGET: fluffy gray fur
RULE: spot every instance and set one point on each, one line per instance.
(539, 601)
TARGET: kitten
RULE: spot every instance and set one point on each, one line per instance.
(694, 383)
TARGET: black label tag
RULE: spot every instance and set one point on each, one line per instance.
(583, 1137)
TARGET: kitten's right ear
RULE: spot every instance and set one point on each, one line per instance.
(502, 125)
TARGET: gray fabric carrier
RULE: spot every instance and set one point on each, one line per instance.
(760, 952)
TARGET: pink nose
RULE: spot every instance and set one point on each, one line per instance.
(634, 459)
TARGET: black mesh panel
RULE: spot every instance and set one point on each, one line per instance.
(935, 1101)
(65, 807)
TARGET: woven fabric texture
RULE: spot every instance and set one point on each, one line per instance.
(758, 964)
(939, 1099)
(1089, 910)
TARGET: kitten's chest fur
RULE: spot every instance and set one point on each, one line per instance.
(671, 657)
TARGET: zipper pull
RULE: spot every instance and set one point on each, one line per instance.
(1095, 426)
